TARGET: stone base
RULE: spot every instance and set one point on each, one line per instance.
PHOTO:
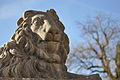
(69, 77)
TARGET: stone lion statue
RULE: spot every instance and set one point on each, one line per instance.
(39, 47)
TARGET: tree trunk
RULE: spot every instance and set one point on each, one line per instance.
(117, 61)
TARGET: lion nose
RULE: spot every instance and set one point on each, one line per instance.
(53, 34)
(53, 30)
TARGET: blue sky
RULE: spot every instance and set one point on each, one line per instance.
(69, 11)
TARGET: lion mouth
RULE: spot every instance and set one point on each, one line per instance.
(50, 41)
(50, 46)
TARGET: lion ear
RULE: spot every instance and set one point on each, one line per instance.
(20, 21)
(53, 12)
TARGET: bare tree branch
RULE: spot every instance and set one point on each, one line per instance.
(94, 67)
(93, 71)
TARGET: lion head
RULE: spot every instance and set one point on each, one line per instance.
(48, 27)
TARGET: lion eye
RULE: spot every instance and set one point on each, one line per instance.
(38, 21)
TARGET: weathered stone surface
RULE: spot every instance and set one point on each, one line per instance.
(37, 50)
